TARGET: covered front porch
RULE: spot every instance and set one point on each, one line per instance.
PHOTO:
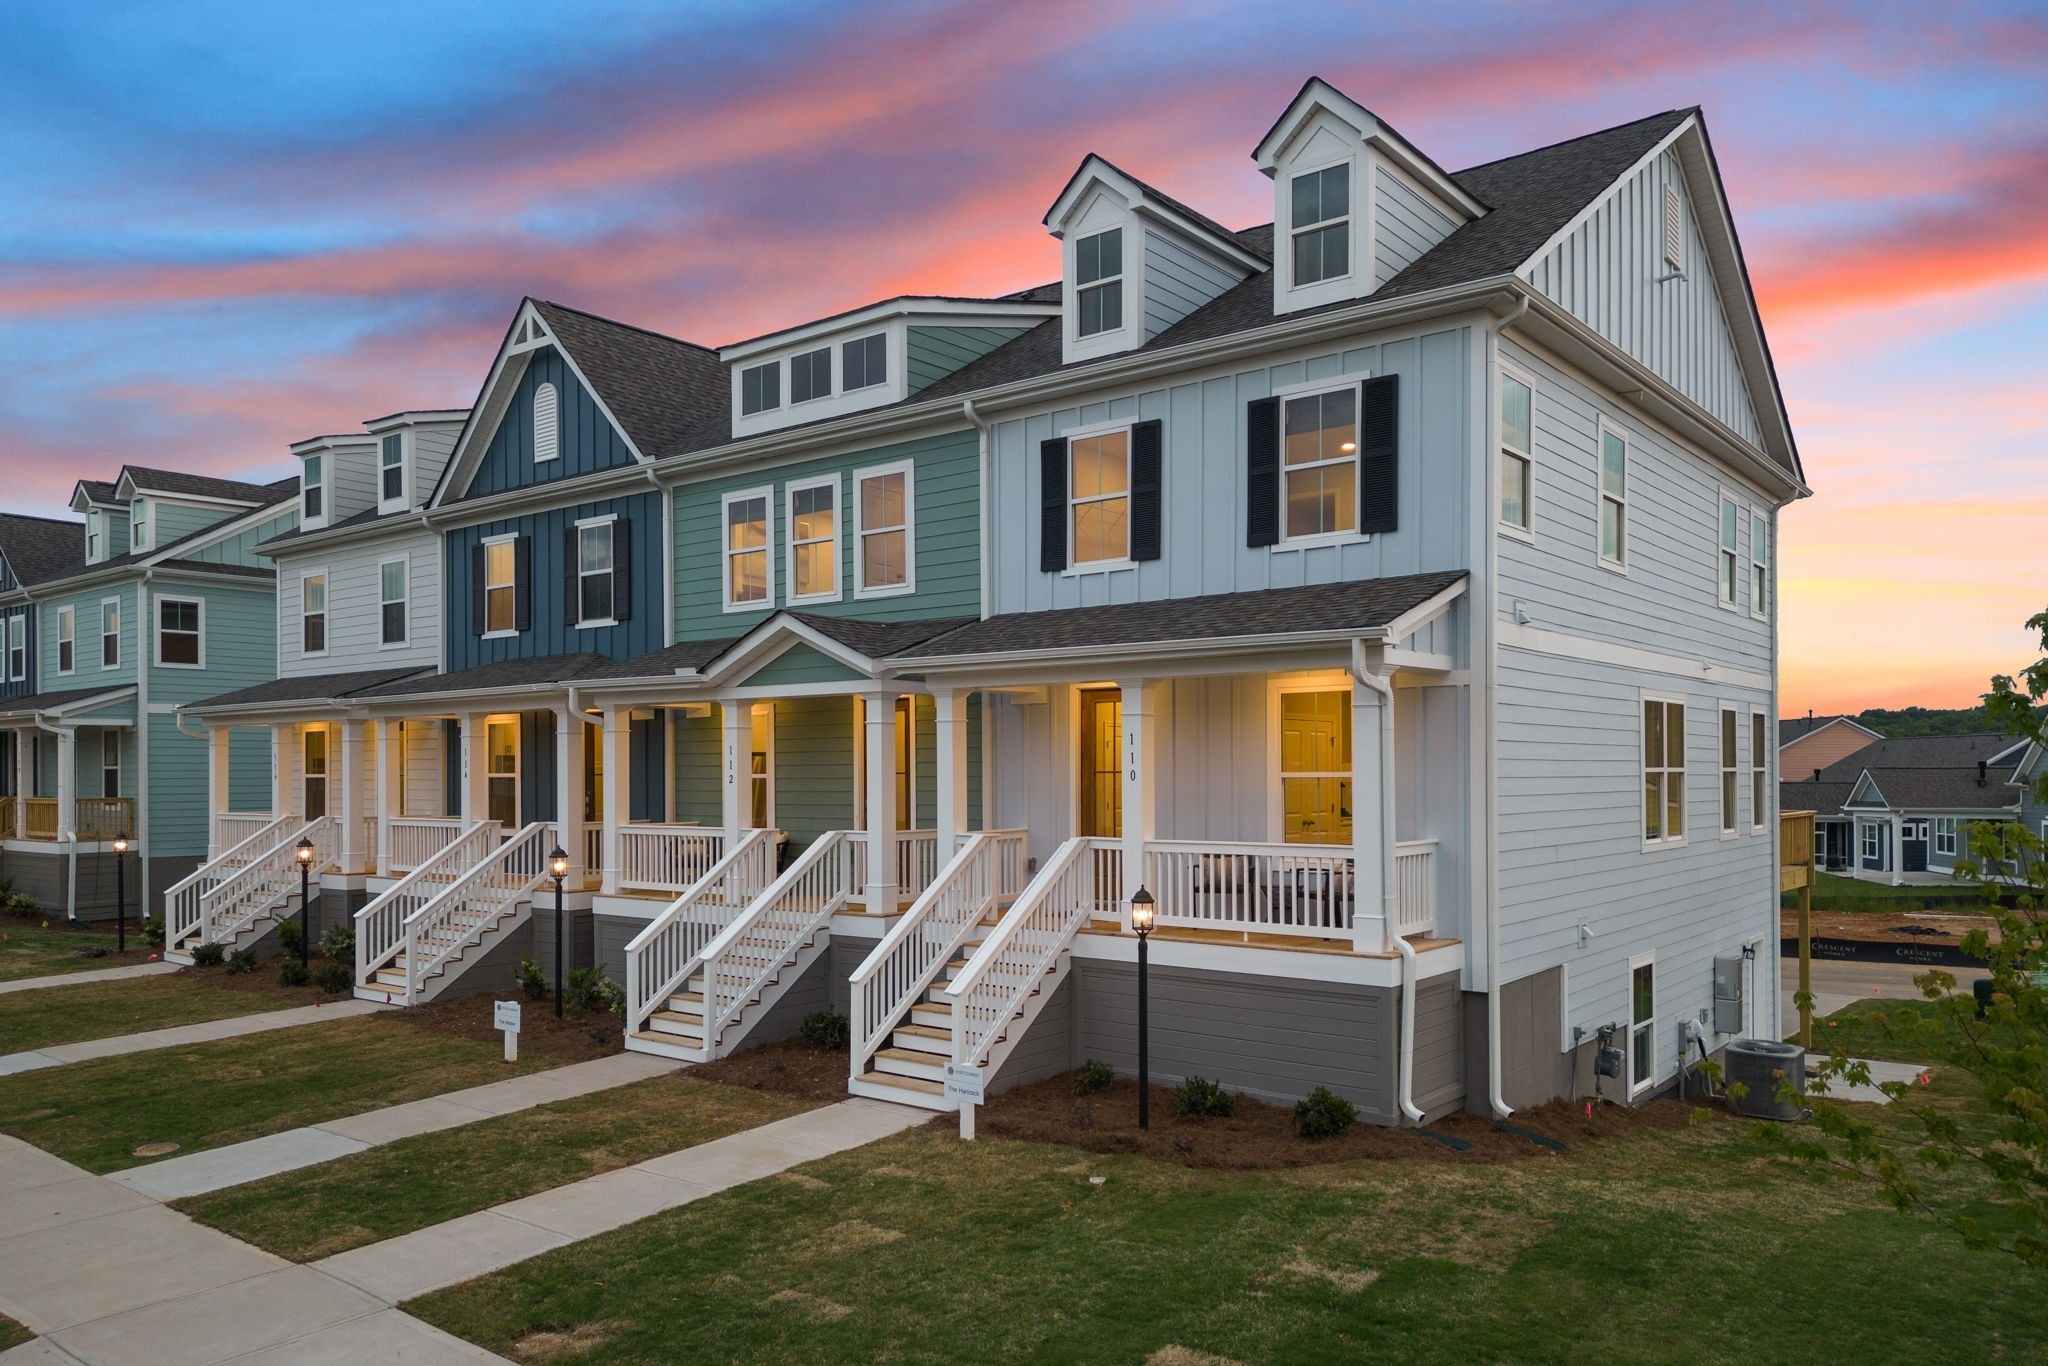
(68, 768)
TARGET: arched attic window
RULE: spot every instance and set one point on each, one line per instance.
(546, 426)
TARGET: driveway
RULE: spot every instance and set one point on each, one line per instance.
(1836, 984)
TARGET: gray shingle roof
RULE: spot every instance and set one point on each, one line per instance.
(40, 548)
(688, 654)
(538, 670)
(1792, 728)
(1958, 752)
(50, 701)
(670, 396)
(316, 688)
(363, 518)
(877, 639)
(1823, 799)
(1943, 789)
(1312, 608)
(176, 482)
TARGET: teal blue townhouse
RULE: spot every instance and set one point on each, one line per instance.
(1375, 607)
(153, 598)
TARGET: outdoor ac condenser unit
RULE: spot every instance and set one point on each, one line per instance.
(1728, 1004)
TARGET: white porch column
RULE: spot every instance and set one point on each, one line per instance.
(615, 761)
(878, 711)
(25, 742)
(1372, 798)
(476, 768)
(278, 805)
(390, 786)
(217, 772)
(1140, 768)
(738, 719)
(950, 707)
(1896, 855)
(352, 793)
(67, 783)
(569, 789)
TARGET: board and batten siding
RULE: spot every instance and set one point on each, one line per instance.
(1405, 224)
(550, 632)
(1669, 599)
(1607, 274)
(932, 353)
(1178, 280)
(585, 438)
(1202, 522)
(355, 615)
(32, 648)
(946, 516)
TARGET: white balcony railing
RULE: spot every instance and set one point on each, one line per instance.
(666, 858)
(1285, 889)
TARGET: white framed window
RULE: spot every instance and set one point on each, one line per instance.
(313, 613)
(1759, 772)
(394, 602)
(1314, 770)
(181, 633)
(501, 772)
(1642, 1023)
(761, 388)
(1759, 565)
(596, 569)
(501, 586)
(139, 524)
(547, 423)
(1099, 498)
(110, 763)
(1613, 497)
(812, 515)
(1517, 452)
(1321, 223)
(810, 375)
(95, 539)
(1868, 842)
(1945, 842)
(110, 633)
(313, 489)
(1099, 282)
(1731, 784)
(864, 362)
(884, 559)
(1319, 464)
(1663, 771)
(67, 640)
(17, 648)
(391, 472)
(1731, 554)
(748, 567)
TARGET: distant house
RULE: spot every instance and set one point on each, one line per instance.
(1895, 807)
(1808, 744)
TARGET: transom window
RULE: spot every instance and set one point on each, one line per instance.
(110, 635)
(179, 638)
(313, 488)
(810, 375)
(1517, 448)
(391, 469)
(746, 550)
(1322, 224)
(1730, 750)
(1642, 1025)
(595, 566)
(1731, 570)
(761, 388)
(393, 593)
(882, 505)
(1098, 275)
(1319, 460)
(313, 614)
(1315, 767)
(501, 586)
(814, 540)
(1613, 498)
(1663, 771)
(67, 640)
(1099, 497)
(1759, 565)
(864, 362)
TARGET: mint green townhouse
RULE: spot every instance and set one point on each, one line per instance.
(163, 602)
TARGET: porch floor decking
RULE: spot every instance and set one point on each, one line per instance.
(1287, 942)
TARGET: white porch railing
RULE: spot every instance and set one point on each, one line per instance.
(231, 828)
(1253, 888)
(1415, 887)
(468, 907)
(995, 987)
(416, 840)
(739, 964)
(666, 858)
(182, 900)
(266, 882)
(380, 925)
(663, 956)
(917, 861)
(593, 852)
(988, 870)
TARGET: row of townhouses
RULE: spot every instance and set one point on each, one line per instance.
(1387, 592)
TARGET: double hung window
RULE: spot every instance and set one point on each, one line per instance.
(1099, 280)
(391, 470)
(1759, 565)
(180, 633)
(814, 540)
(67, 640)
(1731, 567)
(596, 567)
(1321, 222)
(1730, 749)
(313, 489)
(313, 614)
(1663, 771)
(882, 556)
(1099, 497)
(749, 576)
(110, 634)
(17, 648)
(394, 610)
(1945, 842)
(501, 585)
(1613, 498)
(1517, 452)
(1759, 772)
(1319, 463)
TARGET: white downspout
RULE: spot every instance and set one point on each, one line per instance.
(1404, 1075)
(1488, 621)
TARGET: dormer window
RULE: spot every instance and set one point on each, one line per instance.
(864, 362)
(93, 536)
(391, 472)
(810, 375)
(761, 388)
(1098, 275)
(313, 489)
(138, 526)
(1322, 224)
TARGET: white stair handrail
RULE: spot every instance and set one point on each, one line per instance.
(890, 980)
(746, 955)
(380, 924)
(239, 898)
(1013, 961)
(661, 957)
(458, 917)
(181, 901)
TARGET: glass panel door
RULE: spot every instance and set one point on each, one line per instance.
(501, 745)
(1102, 790)
(1315, 767)
(315, 775)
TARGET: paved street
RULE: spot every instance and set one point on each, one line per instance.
(1836, 984)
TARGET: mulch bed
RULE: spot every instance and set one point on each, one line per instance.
(1944, 928)
(1261, 1136)
(598, 1034)
(791, 1068)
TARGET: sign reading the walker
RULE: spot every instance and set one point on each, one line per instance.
(965, 1083)
(506, 1016)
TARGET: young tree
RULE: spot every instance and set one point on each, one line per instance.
(2004, 1053)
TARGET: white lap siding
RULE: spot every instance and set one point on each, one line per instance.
(355, 614)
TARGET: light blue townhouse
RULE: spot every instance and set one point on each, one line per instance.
(158, 599)
(1383, 597)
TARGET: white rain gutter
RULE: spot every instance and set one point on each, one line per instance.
(1404, 1074)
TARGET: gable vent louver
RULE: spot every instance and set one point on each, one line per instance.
(546, 426)
(1674, 229)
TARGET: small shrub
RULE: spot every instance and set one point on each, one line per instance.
(338, 941)
(291, 972)
(1200, 1096)
(335, 977)
(532, 985)
(614, 995)
(152, 931)
(826, 1029)
(289, 934)
(241, 961)
(1323, 1114)
(208, 956)
(1095, 1075)
(587, 989)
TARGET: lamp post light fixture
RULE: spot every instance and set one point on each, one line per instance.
(1144, 912)
(304, 854)
(558, 869)
(120, 894)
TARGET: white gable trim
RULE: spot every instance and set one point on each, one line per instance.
(1319, 94)
(774, 638)
(1095, 173)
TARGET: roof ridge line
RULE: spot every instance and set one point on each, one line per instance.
(1582, 137)
(630, 327)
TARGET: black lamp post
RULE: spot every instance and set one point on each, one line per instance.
(558, 868)
(304, 853)
(120, 894)
(1143, 913)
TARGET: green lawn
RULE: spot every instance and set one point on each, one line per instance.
(1833, 892)
(40, 946)
(1684, 1246)
(99, 1010)
(212, 1094)
(12, 1334)
(420, 1181)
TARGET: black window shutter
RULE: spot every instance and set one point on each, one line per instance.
(522, 583)
(622, 569)
(476, 589)
(1052, 505)
(572, 595)
(1262, 472)
(1379, 490)
(1147, 440)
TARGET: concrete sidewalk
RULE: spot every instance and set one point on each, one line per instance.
(57, 1055)
(72, 979)
(216, 1168)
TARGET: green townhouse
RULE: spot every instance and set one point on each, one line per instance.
(159, 599)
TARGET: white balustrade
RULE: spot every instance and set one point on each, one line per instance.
(1300, 889)
(917, 860)
(232, 828)
(1415, 887)
(664, 955)
(417, 840)
(995, 987)
(666, 858)
(447, 925)
(183, 899)
(265, 881)
(740, 962)
(381, 924)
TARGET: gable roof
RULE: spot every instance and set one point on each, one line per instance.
(40, 549)
(662, 390)
(176, 483)
(1197, 225)
(1931, 789)
(312, 688)
(1792, 728)
(533, 671)
(1958, 752)
(1822, 798)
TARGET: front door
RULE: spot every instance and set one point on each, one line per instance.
(1102, 789)
(1913, 846)
(316, 772)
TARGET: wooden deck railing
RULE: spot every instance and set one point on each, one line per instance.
(1795, 873)
(41, 823)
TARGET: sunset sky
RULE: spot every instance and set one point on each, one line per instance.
(227, 226)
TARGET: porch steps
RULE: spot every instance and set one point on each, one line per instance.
(677, 1029)
(389, 979)
(910, 1066)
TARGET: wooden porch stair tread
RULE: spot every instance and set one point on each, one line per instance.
(930, 1088)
